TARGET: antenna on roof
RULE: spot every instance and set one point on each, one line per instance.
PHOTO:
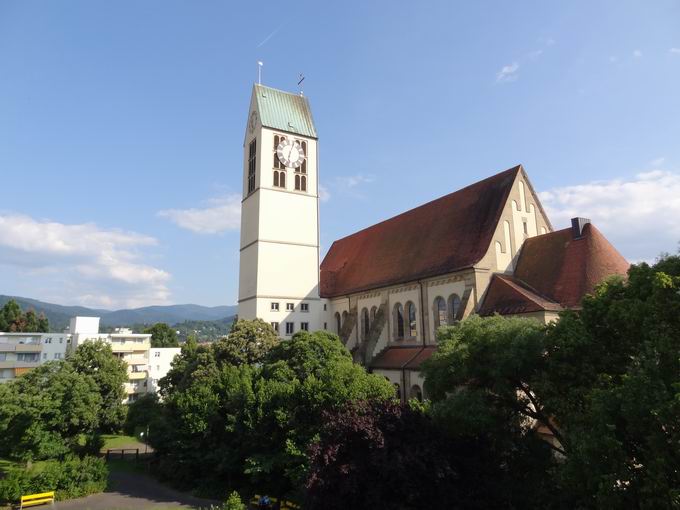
(259, 72)
(302, 78)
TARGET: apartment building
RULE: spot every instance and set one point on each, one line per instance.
(20, 352)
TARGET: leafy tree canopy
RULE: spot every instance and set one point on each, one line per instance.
(44, 412)
(13, 319)
(247, 342)
(96, 359)
(162, 335)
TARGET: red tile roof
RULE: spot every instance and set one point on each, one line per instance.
(442, 236)
(507, 296)
(406, 357)
(554, 271)
(565, 269)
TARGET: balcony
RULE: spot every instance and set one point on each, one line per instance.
(136, 376)
(122, 347)
(19, 364)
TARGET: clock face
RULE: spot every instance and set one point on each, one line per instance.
(253, 121)
(290, 153)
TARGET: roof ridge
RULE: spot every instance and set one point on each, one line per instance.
(515, 168)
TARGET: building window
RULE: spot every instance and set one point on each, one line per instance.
(454, 308)
(275, 326)
(290, 307)
(411, 310)
(345, 315)
(57, 355)
(398, 321)
(526, 227)
(28, 357)
(304, 326)
(44, 356)
(304, 307)
(325, 307)
(290, 328)
(325, 325)
(440, 316)
(252, 156)
(275, 306)
(157, 354)
(61, 340)
(365, 323)
(338, 323)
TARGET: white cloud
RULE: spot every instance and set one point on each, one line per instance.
(82, 262)
(638, 215)
(535, 54)
(220, 215)
(675, 51)
(324, 194)
(508, 73)
(352, 181)
(637, 54)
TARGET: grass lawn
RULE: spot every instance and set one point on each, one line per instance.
(119, 441)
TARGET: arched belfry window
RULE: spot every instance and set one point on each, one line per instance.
(297, 182)
(365, 323)
(303, 183)
(454, 308)
(398, 321)
(412, 326)
(440, 315)
(252, 157)
(338, 323)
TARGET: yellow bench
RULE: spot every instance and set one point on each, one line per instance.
(37, 499)
(285, 505)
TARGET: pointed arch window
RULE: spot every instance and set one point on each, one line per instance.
(411, 311)
(338, 323)
(440, 314)
(454, 308)
(365, 323)
(398, 321)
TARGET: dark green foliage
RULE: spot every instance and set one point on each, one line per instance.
(70, 478)
(141, 414)
(204, 331)
(44, 412)
(13, 319)
(162, 335)
(96, 359)
(225, 425)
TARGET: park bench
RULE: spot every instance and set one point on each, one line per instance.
(36, 499)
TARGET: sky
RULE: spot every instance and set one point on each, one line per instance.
(122, 124)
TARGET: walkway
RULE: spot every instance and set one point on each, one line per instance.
(134, 491)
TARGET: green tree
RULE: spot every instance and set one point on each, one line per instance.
(247, 342)
(228, 425)
(11, 316)
(96, 359)
(162, 335)
(44, 413)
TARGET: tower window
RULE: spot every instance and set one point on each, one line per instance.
(279, 178)
(277, 164)
(252, 156)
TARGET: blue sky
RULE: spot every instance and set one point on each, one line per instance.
(121, 126)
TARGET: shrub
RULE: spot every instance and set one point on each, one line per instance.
(69, 478)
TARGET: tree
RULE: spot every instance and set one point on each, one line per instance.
(142, 413)
(247, 342)
(226, 425)
(96, 359)
(14, 320)
(162, 335)
(45, 412)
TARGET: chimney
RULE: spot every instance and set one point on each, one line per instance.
(577, 225)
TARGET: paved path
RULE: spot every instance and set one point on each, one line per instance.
(134, 491)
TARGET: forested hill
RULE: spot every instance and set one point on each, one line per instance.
(59, 315)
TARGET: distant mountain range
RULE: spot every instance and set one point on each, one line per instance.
(59, 315)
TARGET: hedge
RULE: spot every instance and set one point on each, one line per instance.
(70, 478)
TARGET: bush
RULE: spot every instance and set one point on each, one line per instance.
(69, 478)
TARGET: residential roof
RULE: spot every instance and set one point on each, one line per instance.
(448, 234)
(507, 295)
(284, 111)
(554, 271)
(406, 357)
(565, 269)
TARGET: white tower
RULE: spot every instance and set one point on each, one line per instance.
(279, 263)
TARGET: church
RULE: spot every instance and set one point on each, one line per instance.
(487, 248)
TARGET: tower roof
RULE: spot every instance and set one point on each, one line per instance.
(445, 235)
(284, 111)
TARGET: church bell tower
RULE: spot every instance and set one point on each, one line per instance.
(279, 256)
